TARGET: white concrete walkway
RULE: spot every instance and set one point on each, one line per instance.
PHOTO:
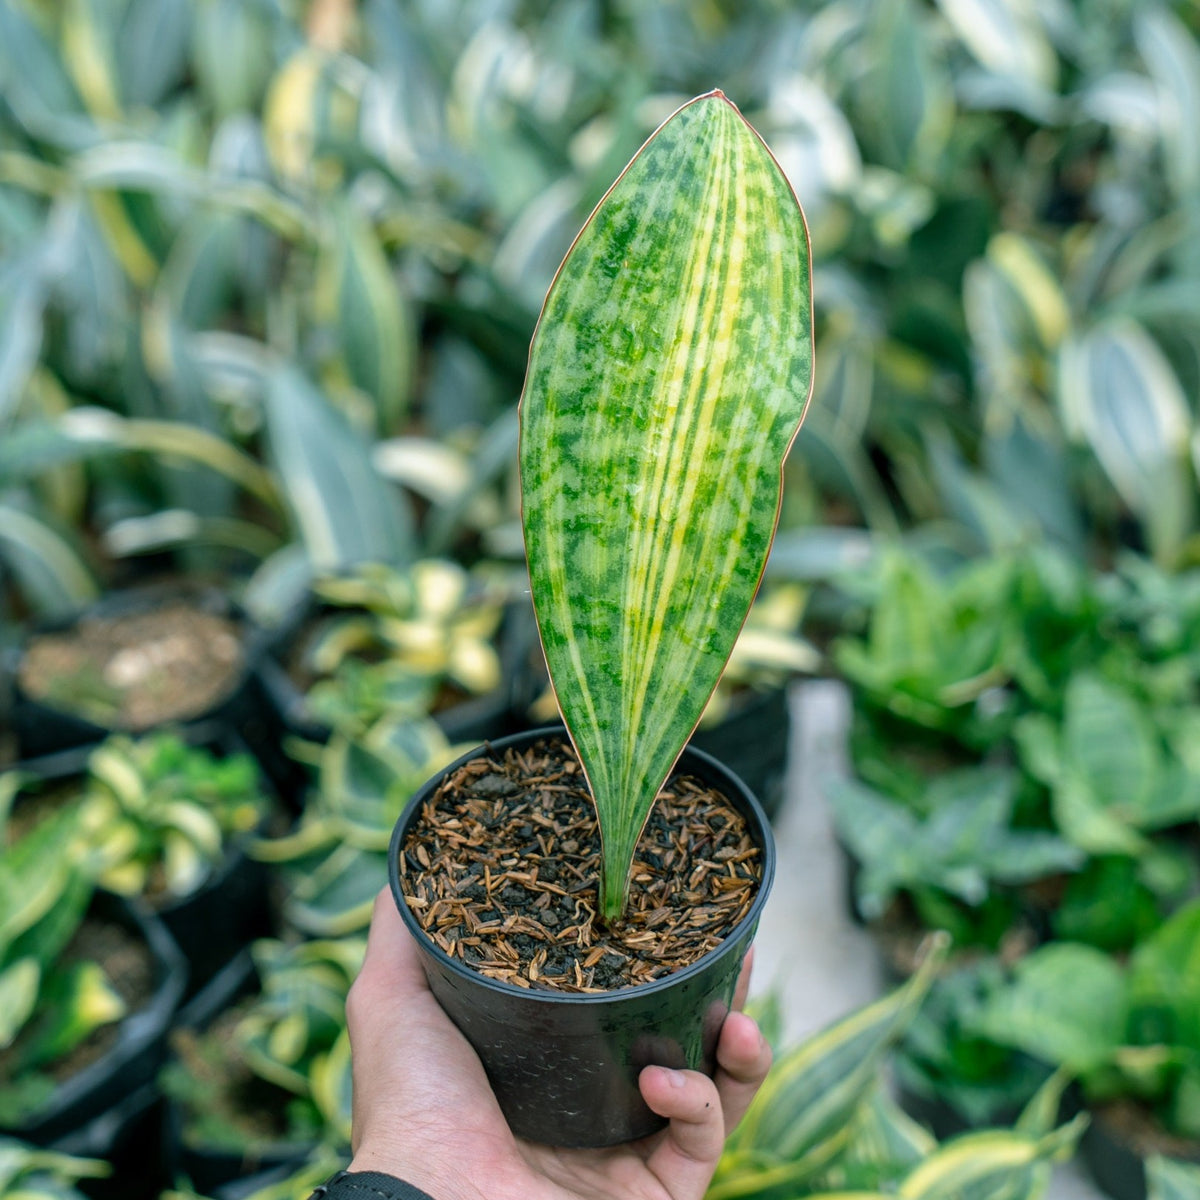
(808, 949)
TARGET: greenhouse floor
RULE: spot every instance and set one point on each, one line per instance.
(808, 950)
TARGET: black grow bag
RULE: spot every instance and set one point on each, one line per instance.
(42, 728)
(134, 1060)
(565, 1067)
(228, 912)
(208, 1168)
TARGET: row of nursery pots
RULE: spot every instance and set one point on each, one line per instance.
(564, 1064)
(168, 956)
(550, 1055)
(204, 662)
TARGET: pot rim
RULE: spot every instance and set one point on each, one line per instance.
(761, 827)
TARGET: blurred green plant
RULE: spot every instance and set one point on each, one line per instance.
(947, 1064)
(1113, 775)
(157, 815)
(960, 846)
(334, 861)
(290, 1037)
(1125, 1030)
(295, 232)
(407, 644)
(31, 1173)
(49, 1004)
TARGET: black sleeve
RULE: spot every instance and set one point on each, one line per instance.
(367, 1185)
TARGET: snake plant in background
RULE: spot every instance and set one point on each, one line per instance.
(400, 638)
(335, 860)
(669, 373)
(49, 1004)
(30, 1173)
(160, 814)
(823, 1124)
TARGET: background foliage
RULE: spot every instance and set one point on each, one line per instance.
(268, 273)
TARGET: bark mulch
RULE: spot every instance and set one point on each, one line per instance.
(501, 870)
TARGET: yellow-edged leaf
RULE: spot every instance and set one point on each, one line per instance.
(669, 373)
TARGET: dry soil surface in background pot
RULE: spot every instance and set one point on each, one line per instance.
(138, 669)
(501, 868)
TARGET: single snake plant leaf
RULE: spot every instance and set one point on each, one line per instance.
(669, 372)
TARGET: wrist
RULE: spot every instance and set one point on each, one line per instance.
(368, 1185)
(434, 1179)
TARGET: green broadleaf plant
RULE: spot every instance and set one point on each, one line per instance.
(668, 376)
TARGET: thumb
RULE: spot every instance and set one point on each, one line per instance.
(685, 1159)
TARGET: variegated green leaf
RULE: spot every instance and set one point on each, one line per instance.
(358, 294)
(993, 1165)
(810, 1095)
(1119, 393)
(668, 375)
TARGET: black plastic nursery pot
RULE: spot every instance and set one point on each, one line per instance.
(41, 727)
(128, 1137)
(138, 1053)
(565, 1066)
(752, 741)
(227, 912)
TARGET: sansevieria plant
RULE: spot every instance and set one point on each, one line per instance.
(669, 373)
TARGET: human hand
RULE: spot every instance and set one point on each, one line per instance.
(424, 1111)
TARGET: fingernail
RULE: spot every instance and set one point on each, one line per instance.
(674, 1078)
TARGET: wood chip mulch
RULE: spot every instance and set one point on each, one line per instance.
(501, 869)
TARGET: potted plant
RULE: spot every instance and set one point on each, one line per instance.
(1127, 1031)
(166, 823)
(669, 373)
(259, 1075)
(381, 640)
(956, 863)
(130, 662)
(89, 985)
(951, 1077)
